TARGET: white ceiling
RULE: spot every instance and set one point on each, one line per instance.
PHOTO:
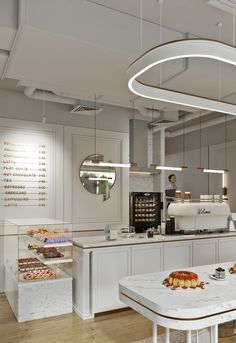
(193, 16)
(85, 47)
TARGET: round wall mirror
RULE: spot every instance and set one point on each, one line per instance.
(97, 179)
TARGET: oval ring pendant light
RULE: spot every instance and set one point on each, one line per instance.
(204, 48)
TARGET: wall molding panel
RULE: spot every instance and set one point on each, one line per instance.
(81, 207)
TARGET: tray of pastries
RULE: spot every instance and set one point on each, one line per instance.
(28, 260)
(33, 266)
(28, 264)
(37, 275)
(51, 238)
(49, 252)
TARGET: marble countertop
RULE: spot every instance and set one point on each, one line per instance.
(100, 241)
(217, 297)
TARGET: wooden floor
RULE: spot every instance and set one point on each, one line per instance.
(121, 327)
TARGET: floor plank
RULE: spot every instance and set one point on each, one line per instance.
(121, 327)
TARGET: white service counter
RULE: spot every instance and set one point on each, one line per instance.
(100, 264)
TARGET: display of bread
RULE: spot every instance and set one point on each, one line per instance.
(28, 267)
(28, 264)
(37, 231)
(50, 252)
(28, 260)
(183, 279)
(232, 270)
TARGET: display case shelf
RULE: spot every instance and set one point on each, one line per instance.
(54, 260)
(33, 240)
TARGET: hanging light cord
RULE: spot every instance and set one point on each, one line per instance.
(234, 13)
(95, 124)
(219, 65)
(160, 35)
(184, 140)
(226, 144)
(200, 139)
(141, 25)
(133, 128)
(44, 108)
(152, 115)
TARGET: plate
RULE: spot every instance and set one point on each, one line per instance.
(212, 276)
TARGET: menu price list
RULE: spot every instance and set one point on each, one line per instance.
(24, 177)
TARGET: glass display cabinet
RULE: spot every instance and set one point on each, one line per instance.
(38, 267)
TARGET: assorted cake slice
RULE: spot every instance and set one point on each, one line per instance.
(232, 270)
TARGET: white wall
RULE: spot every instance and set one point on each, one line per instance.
(210, 136)
(15, 105)
(213, 156)
(16, 110)
(8, 13)
(89, 210)
(191, 179)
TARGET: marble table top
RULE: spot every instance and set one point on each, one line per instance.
(100, 241)
(217, 297)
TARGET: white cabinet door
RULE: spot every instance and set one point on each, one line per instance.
(147, 258)
(109, 266)
(205, 251)
(227, 249)
(177, 255)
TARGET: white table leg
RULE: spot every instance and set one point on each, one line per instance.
(197, 338)
(215, 334)
(189, 336)
(154, 333)
(167, 336)
(212, 334)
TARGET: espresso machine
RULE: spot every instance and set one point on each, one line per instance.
(199, 217)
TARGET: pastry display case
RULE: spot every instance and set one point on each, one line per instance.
(38, 264)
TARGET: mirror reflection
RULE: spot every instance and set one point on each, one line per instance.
(97, 179)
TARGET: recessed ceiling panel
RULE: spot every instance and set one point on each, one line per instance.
(71, 67)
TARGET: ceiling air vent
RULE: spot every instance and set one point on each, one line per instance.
(224, 5)
(158, 117)
(85, 108)
(165, 117)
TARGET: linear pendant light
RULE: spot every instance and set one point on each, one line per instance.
(169, 168)
(106, 164)
(204, 48)
(213, 171)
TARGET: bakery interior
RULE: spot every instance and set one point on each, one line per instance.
(117, 143)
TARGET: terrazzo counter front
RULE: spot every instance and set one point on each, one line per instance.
(100, 264)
